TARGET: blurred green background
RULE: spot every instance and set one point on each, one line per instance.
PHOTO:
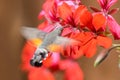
(14, 14)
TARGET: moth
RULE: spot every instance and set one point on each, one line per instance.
(53, 37)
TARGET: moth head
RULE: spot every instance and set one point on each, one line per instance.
(38, 57)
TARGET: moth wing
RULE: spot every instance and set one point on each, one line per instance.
(31, 33)
(60, 43)
(64, 41)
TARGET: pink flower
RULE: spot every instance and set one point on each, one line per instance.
(114, 27)
(112, 24)
(50, 9)
(106, 4)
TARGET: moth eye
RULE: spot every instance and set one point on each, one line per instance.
(43, 54)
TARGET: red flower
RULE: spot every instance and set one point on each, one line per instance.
(74, 15)
(72, 70)
(89, 40)
(96, 37)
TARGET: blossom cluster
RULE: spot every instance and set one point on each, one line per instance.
(90, 29)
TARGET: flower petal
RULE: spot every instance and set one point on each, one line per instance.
(76, 52)
(67, 51)
(105, 42)
(66, 31)
(65, 11)
(78, 12)
(83, 37)
(102, 3)
(84, 45)
(40, 74)
(41, 14)
(72, 51)
(110, 3)
(82, 16)
(99, 21)
(114, 27)
(45, 27)
(90, 48)
(113, 11)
